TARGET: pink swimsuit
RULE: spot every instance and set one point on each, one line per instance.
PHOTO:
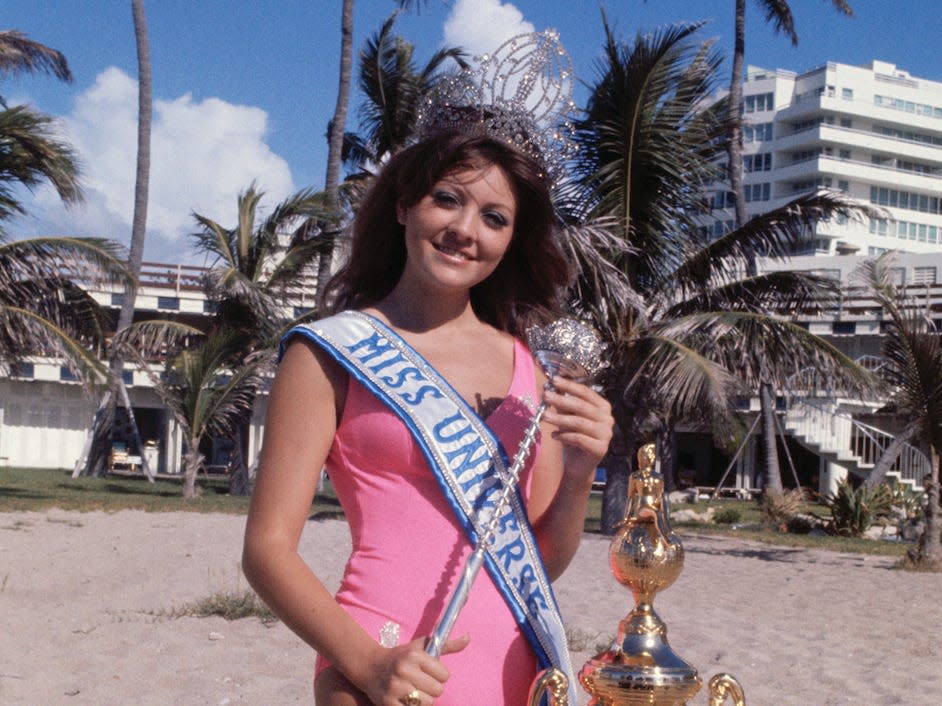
(408, 549)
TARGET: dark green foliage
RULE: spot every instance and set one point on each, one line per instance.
(727, 516)
(854, 509)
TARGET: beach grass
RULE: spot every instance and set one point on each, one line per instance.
(26, 489)
(750, 526)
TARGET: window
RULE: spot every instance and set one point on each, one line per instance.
(904, 199)
(722, 199)
(168, 303)
(843, 154)
(210, 306)
(757, 132)
(23, 370)
(847, 122)
(924, 275)
(847, 94)
(845, 327)
(127, 376)
(757, 162)
(117, 298)
(878, 226)
(843, 186)
(758, 192)
(300, 311)
(65, 374)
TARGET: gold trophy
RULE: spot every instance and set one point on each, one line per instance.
(640, 668)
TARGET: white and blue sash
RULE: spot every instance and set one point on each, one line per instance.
(466, 459)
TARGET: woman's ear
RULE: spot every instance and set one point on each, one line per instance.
(401, 212)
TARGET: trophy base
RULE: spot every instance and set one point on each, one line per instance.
(612, 683)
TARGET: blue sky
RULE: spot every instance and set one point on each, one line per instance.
(244, 89)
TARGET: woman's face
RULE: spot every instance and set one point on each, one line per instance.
(457, 234)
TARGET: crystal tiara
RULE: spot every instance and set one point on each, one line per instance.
(521, 95)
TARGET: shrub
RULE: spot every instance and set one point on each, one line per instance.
(727, 516)
(778, 508)
(231, 605)
(909, 501)
(854, 509)
(799, 524)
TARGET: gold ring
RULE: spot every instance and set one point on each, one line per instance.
(411, 699)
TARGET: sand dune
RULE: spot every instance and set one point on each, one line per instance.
(85, 603)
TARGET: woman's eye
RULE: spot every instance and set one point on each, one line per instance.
(497, 220)
(445, 198)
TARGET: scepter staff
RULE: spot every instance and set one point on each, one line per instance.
(568, 348)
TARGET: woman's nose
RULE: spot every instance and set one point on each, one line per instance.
(463, 223)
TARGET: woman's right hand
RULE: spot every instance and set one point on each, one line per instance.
(396, 671)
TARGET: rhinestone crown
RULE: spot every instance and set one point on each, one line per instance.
(520, 95)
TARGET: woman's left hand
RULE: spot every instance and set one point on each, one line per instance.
(584, 424)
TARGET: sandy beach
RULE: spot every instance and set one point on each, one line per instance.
(86, 602)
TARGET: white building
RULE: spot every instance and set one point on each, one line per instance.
(873, 132)
(45, 416)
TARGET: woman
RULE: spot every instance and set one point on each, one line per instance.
(453, 254)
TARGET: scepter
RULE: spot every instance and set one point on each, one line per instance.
(568, 348)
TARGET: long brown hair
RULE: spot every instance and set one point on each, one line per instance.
(524, 288)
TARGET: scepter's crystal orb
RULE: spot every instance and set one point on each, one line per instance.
(567, 347)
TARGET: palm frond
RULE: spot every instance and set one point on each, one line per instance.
(783, 292)
(19, 53)
(155, 338)
(31, 153)
(91, 261)
(761, 348)
(775, 234)
(688, 384)
(31, 334)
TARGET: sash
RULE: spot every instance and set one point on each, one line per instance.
(466, 459)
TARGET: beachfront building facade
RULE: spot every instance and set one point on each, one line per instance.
(827, 435)
(46, 416)
(872, 132)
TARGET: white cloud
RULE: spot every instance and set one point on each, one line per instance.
(203, 153)
(480, 26)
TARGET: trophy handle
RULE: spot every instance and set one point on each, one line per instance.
(723, 685)
(553, 681)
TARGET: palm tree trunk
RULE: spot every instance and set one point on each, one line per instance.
(773, 473)
(929, 548)
(889, 455)
(617, 465)
(335, 139)
(239, 469)
(734, 149)
(192, 460)
(101, 425)
(667, 456)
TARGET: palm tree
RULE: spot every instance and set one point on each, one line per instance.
(206, 396)
(912, 350)
(95, 454)
(393, 88)
(335, 139)
(258, 268)
(43, 307)
(779, 14)
(681, 310)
